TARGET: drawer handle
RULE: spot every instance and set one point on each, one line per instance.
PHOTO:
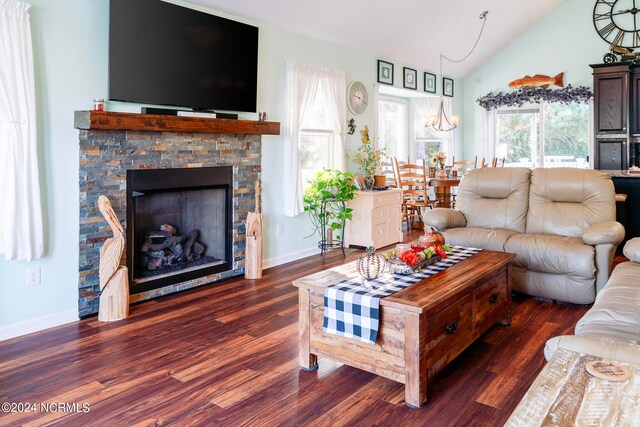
(451, 328)
(493, 298)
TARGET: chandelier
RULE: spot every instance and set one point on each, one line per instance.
(440, 121)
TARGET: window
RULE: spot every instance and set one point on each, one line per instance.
(316, 140)
(544, 135)
(427, 140)
(392, 127)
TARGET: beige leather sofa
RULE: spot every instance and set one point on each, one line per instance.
(560, 223)
(611, 329)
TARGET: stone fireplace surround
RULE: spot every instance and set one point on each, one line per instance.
(112, 143)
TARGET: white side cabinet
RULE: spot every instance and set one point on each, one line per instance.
(377, 219)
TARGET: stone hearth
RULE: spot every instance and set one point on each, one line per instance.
(105, 157)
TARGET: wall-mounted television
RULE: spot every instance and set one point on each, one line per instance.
(164, 54)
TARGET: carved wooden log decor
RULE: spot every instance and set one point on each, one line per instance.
(253, 260)
(114, 282)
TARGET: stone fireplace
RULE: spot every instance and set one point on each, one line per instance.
(187, 173)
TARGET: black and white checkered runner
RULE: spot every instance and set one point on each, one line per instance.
(352, 310)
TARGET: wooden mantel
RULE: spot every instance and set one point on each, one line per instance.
(103, 120)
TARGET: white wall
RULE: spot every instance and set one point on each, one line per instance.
(565, 40)
(70, 50)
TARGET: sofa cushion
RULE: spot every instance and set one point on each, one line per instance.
(485, 238)
(632, 249)
(622, 351)
(495, 198)
(567, 201)
(616, 312)
(553, 254)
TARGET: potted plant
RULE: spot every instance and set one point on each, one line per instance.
(325, 199)
(369, 159)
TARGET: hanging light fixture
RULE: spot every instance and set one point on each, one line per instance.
(440, 121)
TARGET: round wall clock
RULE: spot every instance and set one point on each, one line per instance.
(618, 22)
(357, 97)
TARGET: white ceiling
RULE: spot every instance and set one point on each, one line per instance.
(406, 32)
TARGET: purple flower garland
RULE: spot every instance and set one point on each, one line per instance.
(517, 98)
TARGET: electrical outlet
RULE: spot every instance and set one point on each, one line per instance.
(33, 277)
(280, 230)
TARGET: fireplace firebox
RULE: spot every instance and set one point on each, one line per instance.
(179, 225)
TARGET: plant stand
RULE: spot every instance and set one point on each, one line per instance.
(326, 243)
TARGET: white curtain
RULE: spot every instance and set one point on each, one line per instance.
(302, 84)
(425, 107)
(335, 88)
(21, 235)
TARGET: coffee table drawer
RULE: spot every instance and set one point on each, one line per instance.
(448, 333)
(490, 300)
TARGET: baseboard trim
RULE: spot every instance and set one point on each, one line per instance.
(294, 256)
(37, 324)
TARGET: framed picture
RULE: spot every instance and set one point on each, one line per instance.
(385, 72)
(429, 82)
(410, 80)
(447, 86)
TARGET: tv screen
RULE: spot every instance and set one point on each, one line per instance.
(161, 53)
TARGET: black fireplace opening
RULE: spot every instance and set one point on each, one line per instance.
(179, 225)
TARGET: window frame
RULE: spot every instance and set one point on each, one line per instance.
(539, 108)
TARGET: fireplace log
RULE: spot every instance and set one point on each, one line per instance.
(169, 243)
(158, 234)
(170, 228)
(188, 247)
(197, 250)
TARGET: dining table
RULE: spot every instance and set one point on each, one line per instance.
(443, 190)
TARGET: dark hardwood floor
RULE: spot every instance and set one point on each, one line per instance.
(226, 354)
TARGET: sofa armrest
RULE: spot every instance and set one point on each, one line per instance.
(604, 233)
(607, 348)
(444, 218)
(632, 249)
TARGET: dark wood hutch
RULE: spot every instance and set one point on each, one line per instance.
(617, 115)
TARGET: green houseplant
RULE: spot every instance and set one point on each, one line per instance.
(369, 158)
(325, 199)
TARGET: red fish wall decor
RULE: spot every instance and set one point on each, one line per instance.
(538, 80)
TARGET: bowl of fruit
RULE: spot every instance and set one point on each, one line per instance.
(414, 258)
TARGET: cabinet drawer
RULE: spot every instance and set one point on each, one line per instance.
(394, 198)
(379, 215)
(491, 301)
(379, 232)
(448, 333)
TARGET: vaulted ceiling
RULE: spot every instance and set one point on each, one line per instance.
(406, 32)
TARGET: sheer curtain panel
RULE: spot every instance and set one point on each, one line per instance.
(21, 236)
(302, 85)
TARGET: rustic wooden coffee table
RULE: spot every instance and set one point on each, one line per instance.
(422, 328)
(565, 394)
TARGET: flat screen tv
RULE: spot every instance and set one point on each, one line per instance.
(164, 54)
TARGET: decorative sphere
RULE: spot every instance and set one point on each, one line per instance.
(371, 265)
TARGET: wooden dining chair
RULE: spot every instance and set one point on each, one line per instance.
(414, 181)
(498, 163)
(464, 165)
(485, 164)
(388, 170)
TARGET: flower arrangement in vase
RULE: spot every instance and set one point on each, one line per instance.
(369, 158)
(438, 159)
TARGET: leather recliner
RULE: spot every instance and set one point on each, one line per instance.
(560, 223)
(611, 328)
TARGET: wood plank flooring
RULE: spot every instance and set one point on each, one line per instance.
(227, 354)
